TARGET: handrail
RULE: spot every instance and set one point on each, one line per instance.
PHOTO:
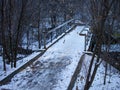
(59, 26)
(46, 33)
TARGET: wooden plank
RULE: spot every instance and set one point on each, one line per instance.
(77, 71)
(82, 34)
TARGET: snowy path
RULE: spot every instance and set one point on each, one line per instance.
(52, 71)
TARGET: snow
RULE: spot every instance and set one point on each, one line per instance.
(53, 70)
(112, 47)
(112, 81)
(115, 48)
(20, 63)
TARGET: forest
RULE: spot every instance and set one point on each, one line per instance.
(23, 22)
(29, 25)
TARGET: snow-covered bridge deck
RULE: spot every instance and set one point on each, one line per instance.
(54, 69)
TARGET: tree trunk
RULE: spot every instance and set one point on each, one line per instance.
(4, 63)
(10, 34)
(90, 77)
(87, 84)
(39, 40)
(105, 73)
(27, 39)
(39, 31)
(3, 32)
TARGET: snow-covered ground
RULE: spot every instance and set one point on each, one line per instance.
(112, 81)
(20, 63)
(53, 70)
(112, 47)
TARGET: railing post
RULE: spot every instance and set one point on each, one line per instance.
(85, 35)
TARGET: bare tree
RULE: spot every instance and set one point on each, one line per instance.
(11, 29)
(99, 10)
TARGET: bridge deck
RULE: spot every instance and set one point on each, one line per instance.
(52, 71)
